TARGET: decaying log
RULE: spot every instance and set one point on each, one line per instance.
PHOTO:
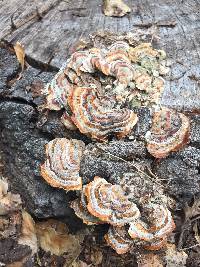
(49, 33)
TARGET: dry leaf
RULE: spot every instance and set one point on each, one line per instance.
(78, 263)
(96, 256)
(115, 8)
(3, 188)
(20, 53)
(28, 232)
(196, 232)
(194, 210)
(8, 202)
(17, 263)
(53, 236)
(174, 258)
(149, 260)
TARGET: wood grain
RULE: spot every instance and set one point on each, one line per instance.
(49, 29)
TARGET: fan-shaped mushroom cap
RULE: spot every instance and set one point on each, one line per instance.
(161, 225)
(76, 61)
(61, 167)
(118, 239)
(169, 132)
(109, 203)
(80, 208)
(57, 91)
(95, 116)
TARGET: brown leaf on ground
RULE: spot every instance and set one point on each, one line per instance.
(150, 260)
(96, 257)
(175, 258)
(193, 211)
(28, 232)
(8, 202)
(78, 263)
(20, 53)
(3, 188)
(53, 237)
(196, 232)
(115, 8)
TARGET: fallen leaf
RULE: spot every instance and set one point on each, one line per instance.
(149, 260)
(3, 188)
(78, 263)
(28, 232)
(193, 211)
(196, 232)
(175, 258)
(115, 8)
(20, 53)
(8, 202)
(53, 236)
(96, 256)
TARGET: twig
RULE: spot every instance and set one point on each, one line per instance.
(130, 164)
(196, 245)
(169, 24)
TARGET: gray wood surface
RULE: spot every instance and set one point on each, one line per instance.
(49, 29)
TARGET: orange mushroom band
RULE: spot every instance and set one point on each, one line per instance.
(114, 62)
(95, 116)
(62, 164)
(109, 203)
(57, 91)
(154, 235)
(80, 208)
(118, 239)
(169, 132)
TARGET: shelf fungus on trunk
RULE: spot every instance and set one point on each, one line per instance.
(118, 239)
(95, 116)
(109, 203)
(62, 164)
(80, 208)
(169, 132)
(153, 235)
(115, 8)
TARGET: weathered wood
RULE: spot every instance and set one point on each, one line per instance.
(49, 30)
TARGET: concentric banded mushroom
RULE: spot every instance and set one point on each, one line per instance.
(95, 116)
(169, 132)
(61, 167)
(57, 91)
(118, 239)
(109, 203)
(154, 234)
(80, 208)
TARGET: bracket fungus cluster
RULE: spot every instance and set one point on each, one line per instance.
(98, 89)
(102, 202)
(93, 86)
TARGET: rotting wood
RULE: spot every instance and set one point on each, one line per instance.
(50, 30)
